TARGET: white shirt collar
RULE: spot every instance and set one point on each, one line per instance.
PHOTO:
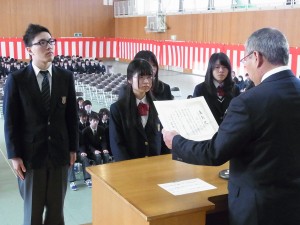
(217, 84)
(37, 70)
(273, 71)
(143, 100)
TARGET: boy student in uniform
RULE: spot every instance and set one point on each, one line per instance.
(134, 128)
(95, 141)
(82, 156)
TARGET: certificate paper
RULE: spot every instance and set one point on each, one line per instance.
(186, 186)
(191, 118)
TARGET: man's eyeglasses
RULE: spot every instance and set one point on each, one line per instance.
(243, 60)
(44, 43)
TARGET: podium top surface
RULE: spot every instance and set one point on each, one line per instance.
(136, 182)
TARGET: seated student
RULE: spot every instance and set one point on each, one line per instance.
(104, 118)
(81, 155)
(160, 90)
(134, 127)
(218, 89)
(79, 67)
(7, 69)
(83, 68)
(102, 67)
(95, 141)
(80, 101)
(87, 105)
(87, 65)
(104, 123)
(92, 68)
(241, 83)
(248, 82)
(66, 65)
(73, 67)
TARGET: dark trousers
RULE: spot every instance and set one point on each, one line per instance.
(85, 161)
(44, 189)
(100, 158)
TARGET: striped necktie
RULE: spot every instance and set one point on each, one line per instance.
(46, 90)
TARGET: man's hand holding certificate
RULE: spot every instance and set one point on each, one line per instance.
(191, 118)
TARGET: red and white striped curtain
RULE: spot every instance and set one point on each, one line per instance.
(186, 55)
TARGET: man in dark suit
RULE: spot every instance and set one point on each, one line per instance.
(41, 129)
(260, 136)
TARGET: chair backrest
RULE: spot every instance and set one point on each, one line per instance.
(107, 89)
(175, 89)
(100, 86)
(79, 94)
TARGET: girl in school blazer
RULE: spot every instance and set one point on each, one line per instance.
(134, 128)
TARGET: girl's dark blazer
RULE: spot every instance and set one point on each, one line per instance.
(132, 141)
(218, 108)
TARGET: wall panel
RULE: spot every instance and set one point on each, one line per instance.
(93, 19)
(226, 27)
(62, 17)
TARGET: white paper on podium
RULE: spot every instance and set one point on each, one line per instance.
(191, 118)
(187, 186)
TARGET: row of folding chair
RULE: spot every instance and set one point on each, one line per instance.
(103, 89)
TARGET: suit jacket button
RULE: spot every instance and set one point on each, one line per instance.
(146, 143)
(48, 122)
(49, 138)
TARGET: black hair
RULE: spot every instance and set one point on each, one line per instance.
(94, 116)
(103, 111)
(228, 83)
(31, 32)
(82, 112)
(137, 67)
(87, 102)
(149, 56)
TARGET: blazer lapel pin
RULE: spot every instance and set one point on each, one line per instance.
(63, 99)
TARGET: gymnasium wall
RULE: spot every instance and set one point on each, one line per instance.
(62, 17)
(197, 35)
(224, 28)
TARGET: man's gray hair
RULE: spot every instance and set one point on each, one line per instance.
(271, 43)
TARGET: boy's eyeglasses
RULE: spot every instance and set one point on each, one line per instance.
(44, 43)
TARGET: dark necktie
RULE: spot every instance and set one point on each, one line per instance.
(46, 90)
(143, 109)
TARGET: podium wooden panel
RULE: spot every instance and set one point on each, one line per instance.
(127, 193)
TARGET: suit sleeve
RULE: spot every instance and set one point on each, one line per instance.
(116, 135)
(103, 138)
(197, 91)
(84, 149)
(12, 120)
(233, 135)
(168, 92)
(71, 116)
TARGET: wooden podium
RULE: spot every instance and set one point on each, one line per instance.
(127, 193)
